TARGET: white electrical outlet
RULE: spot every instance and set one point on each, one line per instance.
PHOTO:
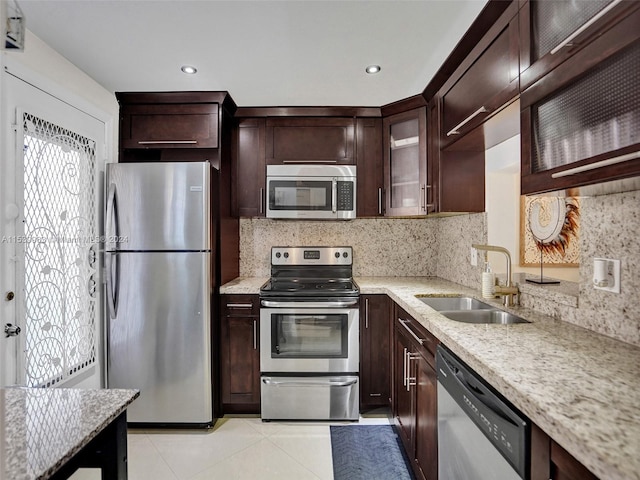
(606, 274)
(474, 257)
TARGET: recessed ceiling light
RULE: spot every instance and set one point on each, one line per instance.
(189, 69)
(371, 69)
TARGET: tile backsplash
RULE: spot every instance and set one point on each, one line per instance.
(381, 247)
(610, 229)
(440, 246)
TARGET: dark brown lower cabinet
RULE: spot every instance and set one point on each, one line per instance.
(240, 354)
(415, 394)
(375, 345)
(426, 438)
(549, 461)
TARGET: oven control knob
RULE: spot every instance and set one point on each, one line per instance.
(286, 254)
(345, 254)
(278, 254)
(337, 254)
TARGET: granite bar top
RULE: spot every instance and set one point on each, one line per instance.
(43, 428)
(580, 387)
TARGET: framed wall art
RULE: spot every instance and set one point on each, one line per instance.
(549, 231)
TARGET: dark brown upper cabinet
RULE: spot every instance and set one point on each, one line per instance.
(370, 172)
(551, 31)
(407, 186)
(166, 120)
(484, 82)
(170, 126)
(581, 122)
(310, 140)
(249, 167)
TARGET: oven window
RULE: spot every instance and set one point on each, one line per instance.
(299, 195)
(309, 335)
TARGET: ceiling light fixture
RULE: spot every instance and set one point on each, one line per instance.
(189, 69)
(371, 69)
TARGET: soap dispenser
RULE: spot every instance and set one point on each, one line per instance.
(488, 282)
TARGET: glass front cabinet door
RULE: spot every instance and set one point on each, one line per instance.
(407, 188)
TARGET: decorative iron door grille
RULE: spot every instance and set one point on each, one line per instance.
(60, 247)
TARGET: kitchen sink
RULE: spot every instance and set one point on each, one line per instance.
(454, 303)
(483, 316)
(470, 310)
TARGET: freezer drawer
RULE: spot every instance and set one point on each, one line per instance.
(159, 334)
(310, 398)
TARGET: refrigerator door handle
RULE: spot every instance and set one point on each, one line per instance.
(113, 272)
(111, 228)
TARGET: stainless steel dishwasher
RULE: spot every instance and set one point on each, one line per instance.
(480, 437)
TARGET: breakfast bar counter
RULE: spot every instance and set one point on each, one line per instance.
(50, 432)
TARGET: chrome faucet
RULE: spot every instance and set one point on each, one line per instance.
(509, 291)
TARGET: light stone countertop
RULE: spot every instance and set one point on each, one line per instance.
(244, 285)
(580, 387)
(41, 429)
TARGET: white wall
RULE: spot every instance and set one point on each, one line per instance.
(502, 204)
(47, 70)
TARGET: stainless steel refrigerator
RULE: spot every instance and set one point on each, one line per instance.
(158, 257)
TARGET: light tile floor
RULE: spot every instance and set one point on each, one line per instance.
(237, 448)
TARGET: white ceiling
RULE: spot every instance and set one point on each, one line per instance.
(265, 53)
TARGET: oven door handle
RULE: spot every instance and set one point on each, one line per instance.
(297, 383)
(329, 304)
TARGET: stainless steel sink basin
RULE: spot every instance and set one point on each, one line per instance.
(470, 310)
(454, 303)
(483, 316)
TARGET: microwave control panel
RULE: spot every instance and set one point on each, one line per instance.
(345, 196)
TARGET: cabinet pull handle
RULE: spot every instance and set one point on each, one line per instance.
(456, 130)
(262, 200)
(380, 201)
(594, 19)
(593, 166)
(416, 337)
(255, 334)
(425, 205)
(239, 305)
(411, 381)
(310, 161)
(167, 142)
(366, 313)
(404, 367)
(375, 394)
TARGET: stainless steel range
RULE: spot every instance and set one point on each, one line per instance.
(309, 335)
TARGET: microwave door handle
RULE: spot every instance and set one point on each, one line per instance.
(334, 195)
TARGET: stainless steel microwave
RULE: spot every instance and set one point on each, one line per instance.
(311, 192)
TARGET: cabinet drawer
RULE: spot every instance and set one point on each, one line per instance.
(169, 126)
(426, 342)
(240, 305)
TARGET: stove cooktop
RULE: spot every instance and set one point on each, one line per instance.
(311, 272)
(299, 287)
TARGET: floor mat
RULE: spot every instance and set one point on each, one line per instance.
(368, 452)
